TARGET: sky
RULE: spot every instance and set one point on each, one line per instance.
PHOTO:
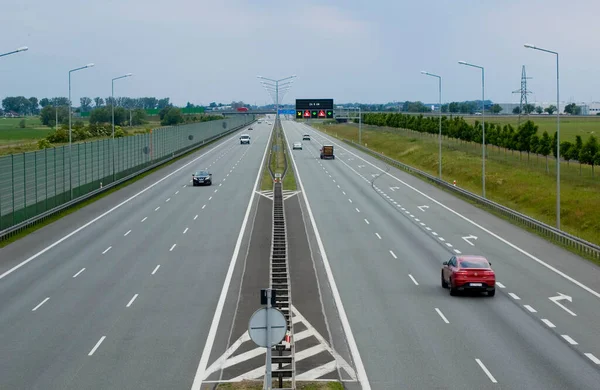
(349, 50)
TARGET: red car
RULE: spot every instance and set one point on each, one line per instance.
(469, 273)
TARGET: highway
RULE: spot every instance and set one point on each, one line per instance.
(121, 294)
(385, 235)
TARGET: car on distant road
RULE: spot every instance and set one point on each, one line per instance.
(245, 139)
(468, 273)
(201, 178)
(249, 128)
(297, 145)
(306, 137)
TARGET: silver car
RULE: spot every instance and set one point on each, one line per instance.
(297, 145)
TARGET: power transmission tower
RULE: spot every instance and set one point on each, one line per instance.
(524, 92)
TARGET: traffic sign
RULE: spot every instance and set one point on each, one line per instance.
(309, 104)
(298, 113)
(321, 114)
(286, 112)
(329, 114)
(307, 113)
(257, 327)
(263, 291)
(314, 114)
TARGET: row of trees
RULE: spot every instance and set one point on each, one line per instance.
(524, 139)
(31, 106)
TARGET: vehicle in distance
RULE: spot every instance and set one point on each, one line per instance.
(327, 152)
(469, 273)
(242, 109)
(202, 178)
(245, 139)
(249, 128)
(297, 145)
(306, 137)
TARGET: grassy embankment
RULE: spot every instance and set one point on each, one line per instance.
(515, 181)
(278, 162)
(14, 139)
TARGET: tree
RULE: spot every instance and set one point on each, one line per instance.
(588, 152)
(496, 108)
(517, 110)
(539, 109)
(565, 151)
(171, 117)
(526, 131)
(48, 115)
(534, 144)
(45, 102)
(60, 101)
(33, 105)
(104, 115)
(573, 109)
(554, 146)
(545, 146)
(162, 103)
(138, 117)
(528, 108)
(551, 109)
(86, 104)
(98, 102)
(19, 104)
(576, 150)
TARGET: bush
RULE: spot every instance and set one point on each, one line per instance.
(119, 132)
(80, 134)
(44, 144)
(58, 136)
(78, 125)
(22, 123)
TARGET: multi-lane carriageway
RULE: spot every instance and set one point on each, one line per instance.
(132, 291)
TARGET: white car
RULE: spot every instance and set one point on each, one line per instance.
(297, 145)
(245, 139)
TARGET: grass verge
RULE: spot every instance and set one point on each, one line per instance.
(278, 162)
(256, 385)
(30, 229)
(508, 181)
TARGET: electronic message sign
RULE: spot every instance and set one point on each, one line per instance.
(314, 108)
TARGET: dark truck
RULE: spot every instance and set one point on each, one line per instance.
(327, 152)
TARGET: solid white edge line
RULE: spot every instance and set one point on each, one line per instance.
(155, 269)
(548, 323)
(40, 304)
(80, 271)
(132, 299)
(413, 279)
(46, 249)
(96, 346)
(487, 372)
(518, 249)
(442, 315)
(592, 358)
(212, 333)
(360, 368)
(569, 339)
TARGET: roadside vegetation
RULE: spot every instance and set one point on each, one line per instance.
(278, 161)
(524, 182)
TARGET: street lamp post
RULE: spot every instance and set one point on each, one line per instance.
(20, 49)
(482, 121)
(275, 89)
(70, 137)
(359, 126)
(440, 135)
(557, 132)
(113, 120)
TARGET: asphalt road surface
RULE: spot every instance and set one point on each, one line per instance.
(385, 234)
(127, 301)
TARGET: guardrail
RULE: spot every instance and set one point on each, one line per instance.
(551, 232)
(6, 233)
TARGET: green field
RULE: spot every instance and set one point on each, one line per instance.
(14, 139)
(569, 126)
(513, 180)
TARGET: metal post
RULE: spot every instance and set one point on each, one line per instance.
(483, 128)
(440, 140)
(268, 379)
(112, 105)
(359, 126)
(70, 165)
(557, 147)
